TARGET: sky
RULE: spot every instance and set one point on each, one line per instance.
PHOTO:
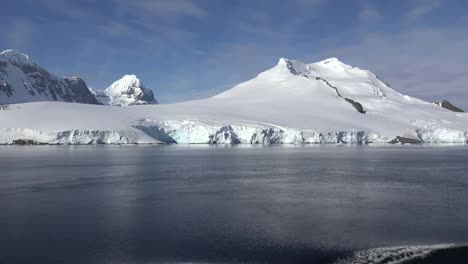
(191, 49)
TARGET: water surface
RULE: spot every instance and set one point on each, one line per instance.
(216, 204)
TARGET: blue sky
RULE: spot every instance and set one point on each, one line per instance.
(187, 49)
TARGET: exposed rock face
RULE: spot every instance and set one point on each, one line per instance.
(23, 81)
(100, 96)
(405, 140)
(447, 105)
(355, 104)
(26, 142)
(82, 93)
(224, 135)
(4, 107)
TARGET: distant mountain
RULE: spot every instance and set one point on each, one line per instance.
(126, 91)
(447, 105)
(21, 81)
(291, 103)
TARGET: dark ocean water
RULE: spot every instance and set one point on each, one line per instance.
(208, 204)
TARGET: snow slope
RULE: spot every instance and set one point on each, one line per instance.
(24, 81)
(293, 102)
(124, 92)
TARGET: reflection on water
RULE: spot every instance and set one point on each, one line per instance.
(275, 204)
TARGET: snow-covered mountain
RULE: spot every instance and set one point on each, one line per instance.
(22, 81)
(124, 92)
(293, 102)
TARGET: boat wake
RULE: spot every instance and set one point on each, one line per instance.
(445, 253)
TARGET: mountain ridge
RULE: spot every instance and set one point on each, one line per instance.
(126, 91)
(22, 81)
(290, 103)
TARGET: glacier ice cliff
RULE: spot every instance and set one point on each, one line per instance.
(194, 132)
(73, 137)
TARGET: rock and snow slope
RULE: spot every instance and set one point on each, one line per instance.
(124, 92)
(447, 105)
(24, 81)
(293, 102)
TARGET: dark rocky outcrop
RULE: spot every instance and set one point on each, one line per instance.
(224, 135)
(3, 66)
(405, 140)
(447, 105)
(27, 142)
(291, 68)
(355, 104)
(81, 92)
(6, 89)
(331, 86)
(147, 97)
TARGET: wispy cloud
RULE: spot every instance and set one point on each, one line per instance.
(369, 14)
(273, 23)
(310, 3)
(234, 54)
(152, 23)
(169, 9)
(67, 9)
(18, 33)
(423, 8)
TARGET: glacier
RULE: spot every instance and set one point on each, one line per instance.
(68, 137)
(191, 132)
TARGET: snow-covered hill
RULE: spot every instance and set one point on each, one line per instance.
(22, 81)
(293, 102)
(124, 92)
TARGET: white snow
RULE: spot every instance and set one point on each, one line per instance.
(14, 56)
(124, 92)
(291, 103)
